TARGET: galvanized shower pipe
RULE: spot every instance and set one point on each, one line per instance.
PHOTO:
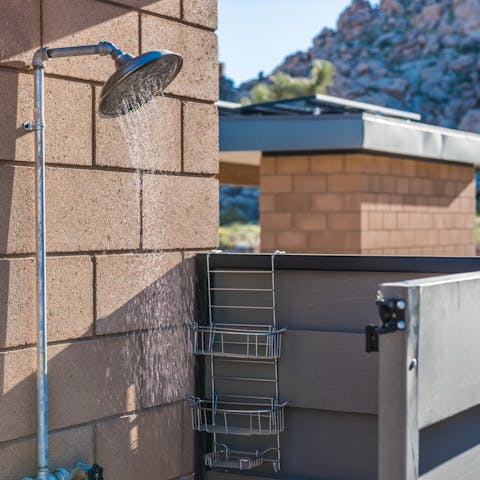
(38, 126)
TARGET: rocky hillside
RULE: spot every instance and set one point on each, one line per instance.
(418, 55)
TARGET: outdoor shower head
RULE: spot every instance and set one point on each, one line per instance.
(137, 80)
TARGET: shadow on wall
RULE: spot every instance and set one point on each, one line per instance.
(129, 385)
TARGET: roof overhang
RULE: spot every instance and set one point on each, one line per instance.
(347, 132)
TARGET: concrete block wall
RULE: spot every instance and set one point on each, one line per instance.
(362, 203)
(124, 217)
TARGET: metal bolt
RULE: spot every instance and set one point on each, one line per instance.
(401, 324)
(413, 364)
(401, 304)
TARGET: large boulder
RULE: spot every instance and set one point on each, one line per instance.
(471, 121)
(417, 55)
(467, 14)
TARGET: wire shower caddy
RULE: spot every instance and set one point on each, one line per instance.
(239, 345)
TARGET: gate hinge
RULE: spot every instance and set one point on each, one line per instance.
(392, 314)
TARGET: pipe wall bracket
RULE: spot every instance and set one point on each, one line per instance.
(32, 126)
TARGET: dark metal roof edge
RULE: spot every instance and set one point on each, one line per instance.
(346, 132)
(368, 263)
(286, 133)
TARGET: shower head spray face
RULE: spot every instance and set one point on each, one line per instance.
(137, 80)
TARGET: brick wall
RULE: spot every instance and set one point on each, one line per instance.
(120, 235)
(359, 203)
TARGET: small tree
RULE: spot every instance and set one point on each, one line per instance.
(283, 86)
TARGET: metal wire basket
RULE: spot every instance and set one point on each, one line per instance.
(237, 341)
(223, 457)
(238, 415)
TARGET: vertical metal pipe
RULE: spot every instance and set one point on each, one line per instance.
(38, 125)
(41, 293)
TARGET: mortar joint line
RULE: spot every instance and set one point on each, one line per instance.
(97, 421)
(182, 138)
(73, 254)
(141, 209)
(107, 168)
(94, 294)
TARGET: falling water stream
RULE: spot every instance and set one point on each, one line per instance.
(158, 286)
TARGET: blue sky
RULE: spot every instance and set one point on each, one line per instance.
(255, 35)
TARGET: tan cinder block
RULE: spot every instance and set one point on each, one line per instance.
(69, 299)
(328, 241)
(86, 22)
(375, 220)
(310, 183)
(68, 115)
(276, 183)
(199, 75)
(268, 165)
(375, 164)
(200, 138)
(353, 163)
(17, 209)
(267, 203)
(16, 105)
(353, 241)
(201, 12)
(180, 212)
(396, 166)
(170, 8)
(292, 241)
(20, 32)
(93, 379)
(18, 459)
(148, 445)
(410, 168)
(188, 441)
(427, 169)
(268, 242)
(390, 221)
(17, 402)
(326, 202)
(87, 381)
(167, 365)
(68, 136)
(327, 163)
(86, 210)
(148, 139)
(402, 185)
(340, 182)
(292, 202)
(141, 291)
(92, 210)
(355, 201)
(310, 221)
(293, 164)
(343, 221)
(276, 220)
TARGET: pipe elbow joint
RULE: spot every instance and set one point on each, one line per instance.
(106, 48)
(40, 57)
